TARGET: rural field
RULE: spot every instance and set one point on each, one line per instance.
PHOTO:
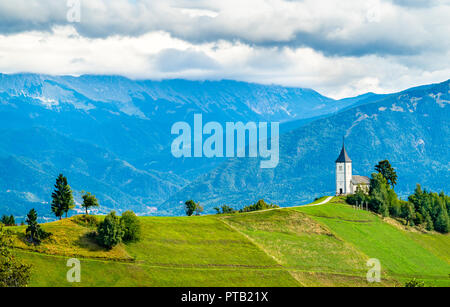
(323, 245)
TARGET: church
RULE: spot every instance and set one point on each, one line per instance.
(346, 183)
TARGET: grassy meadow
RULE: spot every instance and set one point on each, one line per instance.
(324, 245)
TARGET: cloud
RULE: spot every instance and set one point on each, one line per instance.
(351, 27)
(340, 48)
(173, 60)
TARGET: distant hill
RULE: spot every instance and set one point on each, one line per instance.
(324, 245)
(411, 129)
(111, 135)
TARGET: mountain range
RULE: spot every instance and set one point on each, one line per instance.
(111, 136)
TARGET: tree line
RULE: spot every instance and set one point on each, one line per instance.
(192, 208)
(425, 209)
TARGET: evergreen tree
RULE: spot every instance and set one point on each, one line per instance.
(34, 233)
(441, 223)
(8, 220)
(62, 197)
(89, 201)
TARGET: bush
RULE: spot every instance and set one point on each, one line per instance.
(414, 283)
(86, 220)
(110, 232)
(225, 210)
(260, 205)
(13, 273)
(131, 227)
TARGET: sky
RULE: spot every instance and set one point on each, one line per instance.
(340, 48)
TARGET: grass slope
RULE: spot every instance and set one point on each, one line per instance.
(325, 245)
(403, 254)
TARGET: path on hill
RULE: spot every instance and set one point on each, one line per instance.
(311, 205)
(321, 203)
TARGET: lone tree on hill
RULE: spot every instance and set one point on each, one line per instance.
(89, 201)
(388, 172)
(191, 207)
(62, 197)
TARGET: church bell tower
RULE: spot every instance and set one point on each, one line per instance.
(343, 173)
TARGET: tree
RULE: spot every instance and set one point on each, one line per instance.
(190, 207)
(12, 221)
(34, 233)
(359, 198)
(13, 273)
(379, 195)
(442, 222)
(110, 232)
(131, 227)
(198, 209)
(62, 197)
(407, 212)
(8, 220)
(388, 172)
(431, 209)
(260, 205)
(225, 210)
(89, 201)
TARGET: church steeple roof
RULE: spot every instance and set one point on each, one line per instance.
(343, 157)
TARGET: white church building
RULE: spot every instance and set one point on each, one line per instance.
(346, 183)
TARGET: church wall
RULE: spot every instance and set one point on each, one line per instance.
(343, 178)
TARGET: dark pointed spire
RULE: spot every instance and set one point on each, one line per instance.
(343, 157)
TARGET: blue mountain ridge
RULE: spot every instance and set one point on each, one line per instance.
(411, 129)
(111, 136)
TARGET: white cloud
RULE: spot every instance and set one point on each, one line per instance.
(340, 48)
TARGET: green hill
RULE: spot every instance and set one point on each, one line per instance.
(325, 245)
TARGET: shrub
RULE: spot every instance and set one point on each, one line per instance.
(260, 205)
(131, 227)
(13, 273)
(225, 210)
(110, 232)
(86, 220)
(414, 283)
